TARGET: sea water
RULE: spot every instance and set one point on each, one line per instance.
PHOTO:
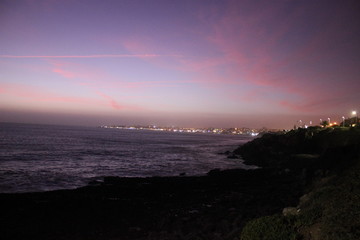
(47, 157)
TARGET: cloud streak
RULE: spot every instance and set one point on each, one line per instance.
(44, 95)
(91, 56)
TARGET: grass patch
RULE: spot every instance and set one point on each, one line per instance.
(333, 206)
(274, 227)
(341, 215)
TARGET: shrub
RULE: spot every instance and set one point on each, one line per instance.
(275, 227)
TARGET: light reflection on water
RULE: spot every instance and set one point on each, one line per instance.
(43, 157)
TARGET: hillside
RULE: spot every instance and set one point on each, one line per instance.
(327, 161)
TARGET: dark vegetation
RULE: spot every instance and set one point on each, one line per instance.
(309, 149)
(308, 188)
(328, 161)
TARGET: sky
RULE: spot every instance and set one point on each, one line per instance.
(197, 63)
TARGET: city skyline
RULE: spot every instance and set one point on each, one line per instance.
(186, 63)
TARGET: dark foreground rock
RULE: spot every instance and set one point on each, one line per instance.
(328, 159)
(312, 148)
(209, 207)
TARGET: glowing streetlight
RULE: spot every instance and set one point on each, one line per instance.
(300, 123)
(356, 117)
(343, 119)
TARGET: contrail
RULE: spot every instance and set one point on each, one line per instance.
(93, 56)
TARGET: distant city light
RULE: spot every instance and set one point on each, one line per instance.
(235, 131)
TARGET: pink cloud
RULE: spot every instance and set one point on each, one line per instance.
(235, 66)
(250, 52)
(83, 74)
(43, 95)
(88, 56)
(326, 103)
(64, 73)
(97, 78)
(247, 51)
(111, 101)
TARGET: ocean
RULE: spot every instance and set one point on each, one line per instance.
(45, 157)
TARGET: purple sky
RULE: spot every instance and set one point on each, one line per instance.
(185, 63)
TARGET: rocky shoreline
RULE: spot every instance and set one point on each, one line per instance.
(216, 206)
(209, 207)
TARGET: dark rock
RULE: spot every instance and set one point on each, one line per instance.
(163, 207)
(232, 156)
(290, 211)
(214, 171)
